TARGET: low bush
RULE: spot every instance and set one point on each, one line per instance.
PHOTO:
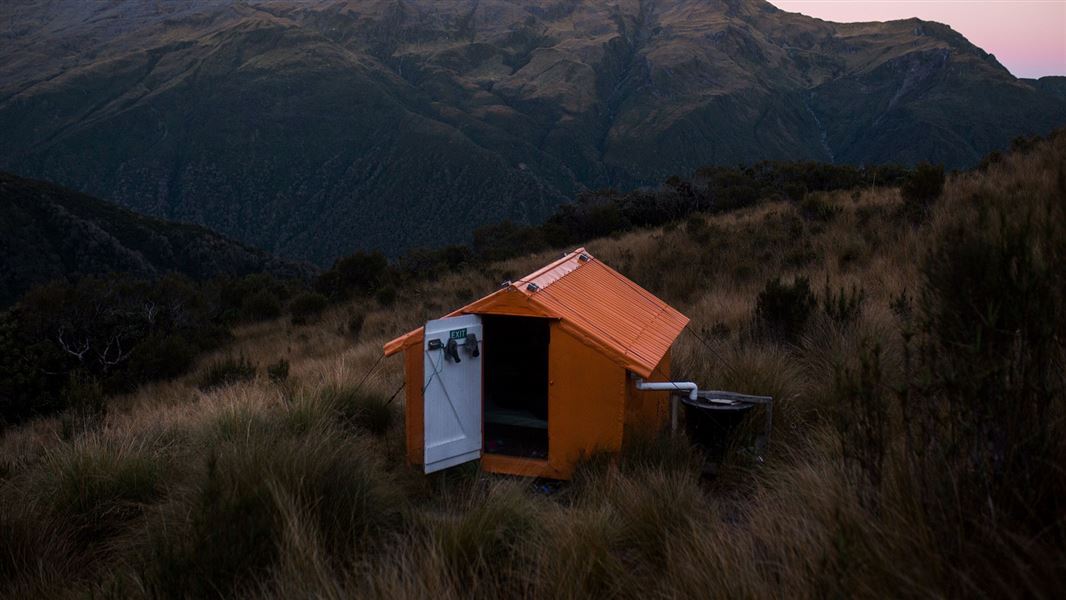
(226, 371)
(260, 306)
(816, 207)
(278, 372)
(843, 306)
(360, 274)
(162, 356)
(386, 296)
(782, 310)
(921, 190)
(306, 307)
(117, 330)
(355, 324)
(697, 229)
(992, 319)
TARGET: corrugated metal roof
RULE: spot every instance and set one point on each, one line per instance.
(594, 302)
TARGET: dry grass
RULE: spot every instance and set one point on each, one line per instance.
(297, 489)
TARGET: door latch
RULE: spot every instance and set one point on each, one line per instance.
(451, 351)
(470, 345)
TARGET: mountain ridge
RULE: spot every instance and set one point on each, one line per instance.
(54, 233)
(316, 128)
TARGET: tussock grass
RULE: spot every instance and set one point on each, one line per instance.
(225, 372)
(231, 525)
(250, 488)
(357, 407)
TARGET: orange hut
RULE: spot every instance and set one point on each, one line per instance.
(539, 373)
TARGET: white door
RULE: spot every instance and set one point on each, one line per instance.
(452, 350)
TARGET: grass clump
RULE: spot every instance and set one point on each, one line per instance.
(95, 488)
(491, 538)
(231, 525)
(225, 372)
(86, 405)
(360, 408)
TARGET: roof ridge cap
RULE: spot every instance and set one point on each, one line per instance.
(553, 265)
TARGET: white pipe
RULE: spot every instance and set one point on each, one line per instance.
(669, 386)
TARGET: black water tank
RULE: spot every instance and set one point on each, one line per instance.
(710, 425)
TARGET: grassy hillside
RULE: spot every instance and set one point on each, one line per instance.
(918, 445)
(52, 233)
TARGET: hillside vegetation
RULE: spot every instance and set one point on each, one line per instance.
(314, 128)
(52, 233)
(912, 338)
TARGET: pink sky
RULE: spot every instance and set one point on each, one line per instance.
(1027, 36)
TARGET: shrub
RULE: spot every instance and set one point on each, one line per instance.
(117, 330)
(279, 371)
(816, 207)
(506, 239)
(162, 356)
(307, 307)
(843, 306)
(1024, 144)
(782, 310)
(984, 392)
(589, 218)
(992, 158)
(226, 371)
(862, 420)
(355, 324)
(360, 274)
(993, 314)
(794, 191)
(261, 306)
(424, 264)
(921, 189)
(697, 229)
(386, 296)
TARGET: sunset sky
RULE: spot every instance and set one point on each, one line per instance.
(1027, 36)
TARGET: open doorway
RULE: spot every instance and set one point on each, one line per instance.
(515, 380)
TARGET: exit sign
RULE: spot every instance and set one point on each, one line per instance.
(457, 334)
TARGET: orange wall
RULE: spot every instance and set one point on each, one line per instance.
(586, 402)
(648, 413)
(414, 415)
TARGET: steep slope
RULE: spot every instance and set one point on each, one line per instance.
(313, 128)
(1054, 85)
(53, 233)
